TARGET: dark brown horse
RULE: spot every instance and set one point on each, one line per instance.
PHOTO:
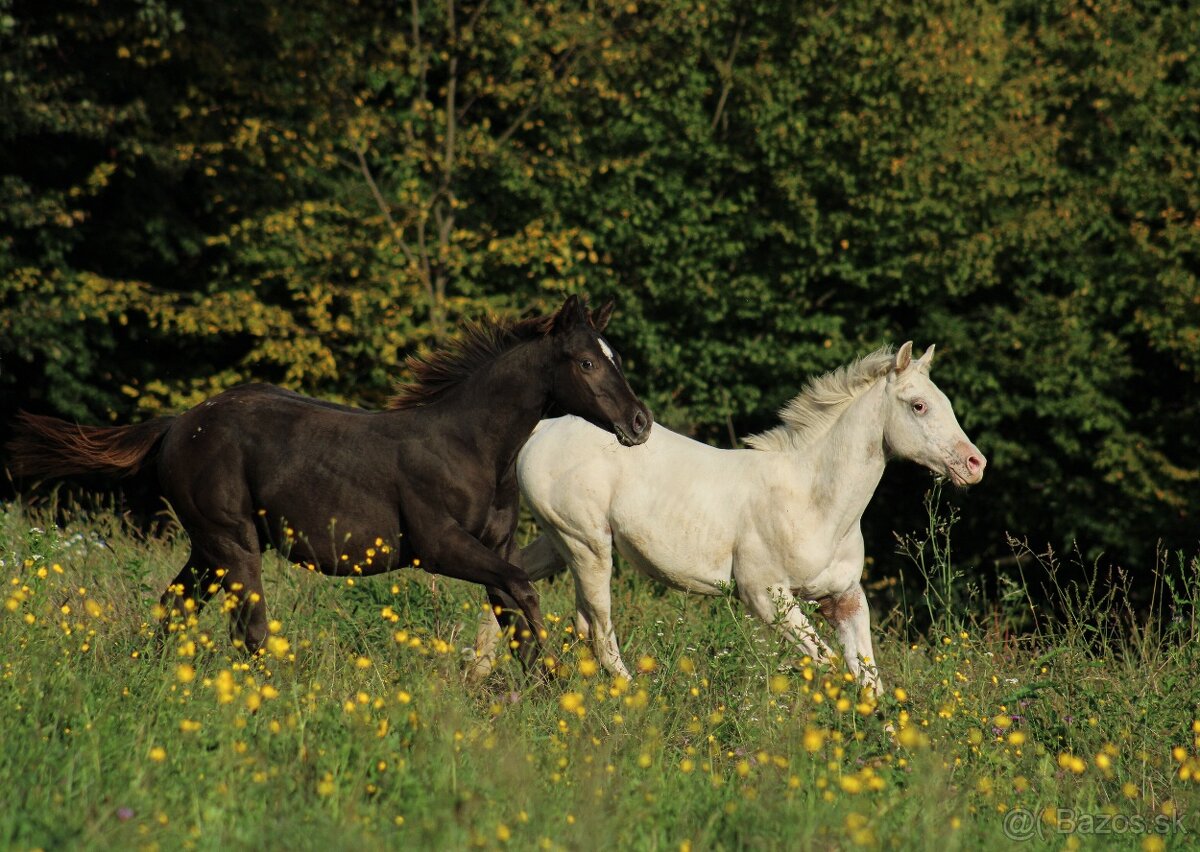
(430, 481)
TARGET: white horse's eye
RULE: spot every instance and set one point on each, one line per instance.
(919, 406)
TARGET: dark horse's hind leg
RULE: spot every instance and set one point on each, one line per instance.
(243, 586)
(191, 589)
(229, 566)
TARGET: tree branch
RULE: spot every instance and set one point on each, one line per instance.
(726, 71)
(536, 99)
(394, 230)
(451, 95)
(418, 50)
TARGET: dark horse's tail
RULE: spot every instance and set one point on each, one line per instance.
(49, 447)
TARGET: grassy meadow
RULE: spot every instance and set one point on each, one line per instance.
(355, 728)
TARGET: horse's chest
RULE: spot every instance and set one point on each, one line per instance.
(807, 559)
(805, 565)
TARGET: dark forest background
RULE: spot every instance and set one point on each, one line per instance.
(194, 194)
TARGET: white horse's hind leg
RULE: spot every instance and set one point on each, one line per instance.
(851, 618)
(487, 645)
(540, 561)
(583, 630)
(778, 607)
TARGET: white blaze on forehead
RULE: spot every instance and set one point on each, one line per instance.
(606, 349)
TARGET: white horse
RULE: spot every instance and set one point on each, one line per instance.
(781, 519)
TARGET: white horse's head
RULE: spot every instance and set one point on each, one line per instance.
(920, 424)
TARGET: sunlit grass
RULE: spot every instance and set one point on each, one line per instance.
(354, 727)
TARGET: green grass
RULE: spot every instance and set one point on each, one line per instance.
(349, 738)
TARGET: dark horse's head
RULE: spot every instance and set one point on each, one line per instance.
(588, 381)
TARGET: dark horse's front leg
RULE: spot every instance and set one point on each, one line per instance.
(514, 627)
(453, 552)
(508, 608)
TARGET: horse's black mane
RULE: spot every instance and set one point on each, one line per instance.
(439, 371)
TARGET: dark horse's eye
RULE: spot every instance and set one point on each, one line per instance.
(586, 364)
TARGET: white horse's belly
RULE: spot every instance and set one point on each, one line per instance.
(676, 567)
(675, 521)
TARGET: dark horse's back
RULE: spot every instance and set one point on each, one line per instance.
(261, 465)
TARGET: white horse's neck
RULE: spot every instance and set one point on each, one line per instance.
(847, 461)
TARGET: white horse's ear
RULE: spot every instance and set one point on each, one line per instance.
(903, 357)
(926, 360)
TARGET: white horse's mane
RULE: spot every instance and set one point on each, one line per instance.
(822, 401)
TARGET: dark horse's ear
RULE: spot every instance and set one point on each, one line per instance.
(601, 317)
(571, 315)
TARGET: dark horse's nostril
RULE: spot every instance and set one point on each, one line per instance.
(639, 423)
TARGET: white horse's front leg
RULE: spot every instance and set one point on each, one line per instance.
(779, 608)
(589, 555)
(593, 598)
(851, 618)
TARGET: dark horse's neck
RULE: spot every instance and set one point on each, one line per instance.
(495, 409)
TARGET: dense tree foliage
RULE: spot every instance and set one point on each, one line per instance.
(195, 194)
